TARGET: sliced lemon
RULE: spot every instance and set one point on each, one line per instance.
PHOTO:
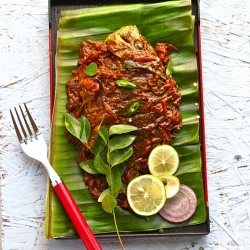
(146, 195)
(171, 183)
(163, 160)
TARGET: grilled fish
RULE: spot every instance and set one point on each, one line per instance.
(125, 55)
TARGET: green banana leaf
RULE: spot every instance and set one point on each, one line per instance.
(170, 22)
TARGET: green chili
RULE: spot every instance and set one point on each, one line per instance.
(169, 69)
(133, 108)
(91, 70)
(125, 84)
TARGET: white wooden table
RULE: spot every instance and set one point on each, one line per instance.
(24, 77)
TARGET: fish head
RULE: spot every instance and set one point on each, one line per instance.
(128, 44)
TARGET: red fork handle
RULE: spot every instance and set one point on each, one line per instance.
(76, 217)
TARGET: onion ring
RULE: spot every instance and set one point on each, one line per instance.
(180, 207)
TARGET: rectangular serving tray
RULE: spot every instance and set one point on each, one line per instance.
(55, 8)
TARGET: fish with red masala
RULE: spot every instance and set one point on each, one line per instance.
(125, 55)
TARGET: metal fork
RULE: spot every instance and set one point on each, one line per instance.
(34, 145)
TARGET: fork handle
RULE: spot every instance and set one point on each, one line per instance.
(76, 217)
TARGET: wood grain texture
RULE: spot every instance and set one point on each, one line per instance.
(24, 77)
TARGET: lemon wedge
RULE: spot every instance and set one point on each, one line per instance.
(146, 195)
(171, 183)
(163, 160)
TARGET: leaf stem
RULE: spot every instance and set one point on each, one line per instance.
(117, 231)
(90, 149)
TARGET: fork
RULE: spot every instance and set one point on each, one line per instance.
(34, 145)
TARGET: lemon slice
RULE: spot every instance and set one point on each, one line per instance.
(146, 195)
(171, 183)
(163, 160)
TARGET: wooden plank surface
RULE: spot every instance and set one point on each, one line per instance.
(24, 77)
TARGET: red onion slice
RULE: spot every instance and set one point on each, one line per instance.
(180, 207)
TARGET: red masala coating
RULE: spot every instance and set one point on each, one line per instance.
(125, 55)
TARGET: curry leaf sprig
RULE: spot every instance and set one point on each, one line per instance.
(111, 148)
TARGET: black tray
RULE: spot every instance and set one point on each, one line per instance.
(55, 8)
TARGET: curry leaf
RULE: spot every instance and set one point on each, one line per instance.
(89, 166)
(98, 144)
(109, 203)
(116, 180)
(85, 129)
(121, 168)
(104, 155)
(120, 142)
(103, 117)
(101, 166)
(104, 134)
(91, 70)
(103, 194)
(72, 125)
(121, 155)
(121, 129)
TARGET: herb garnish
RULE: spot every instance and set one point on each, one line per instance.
(125, 84)
(169, 69)
(133, 108)
(111, 148)
(91, 70)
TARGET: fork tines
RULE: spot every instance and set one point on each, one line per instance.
(25, 129)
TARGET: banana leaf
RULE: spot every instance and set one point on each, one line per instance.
(170, 22)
